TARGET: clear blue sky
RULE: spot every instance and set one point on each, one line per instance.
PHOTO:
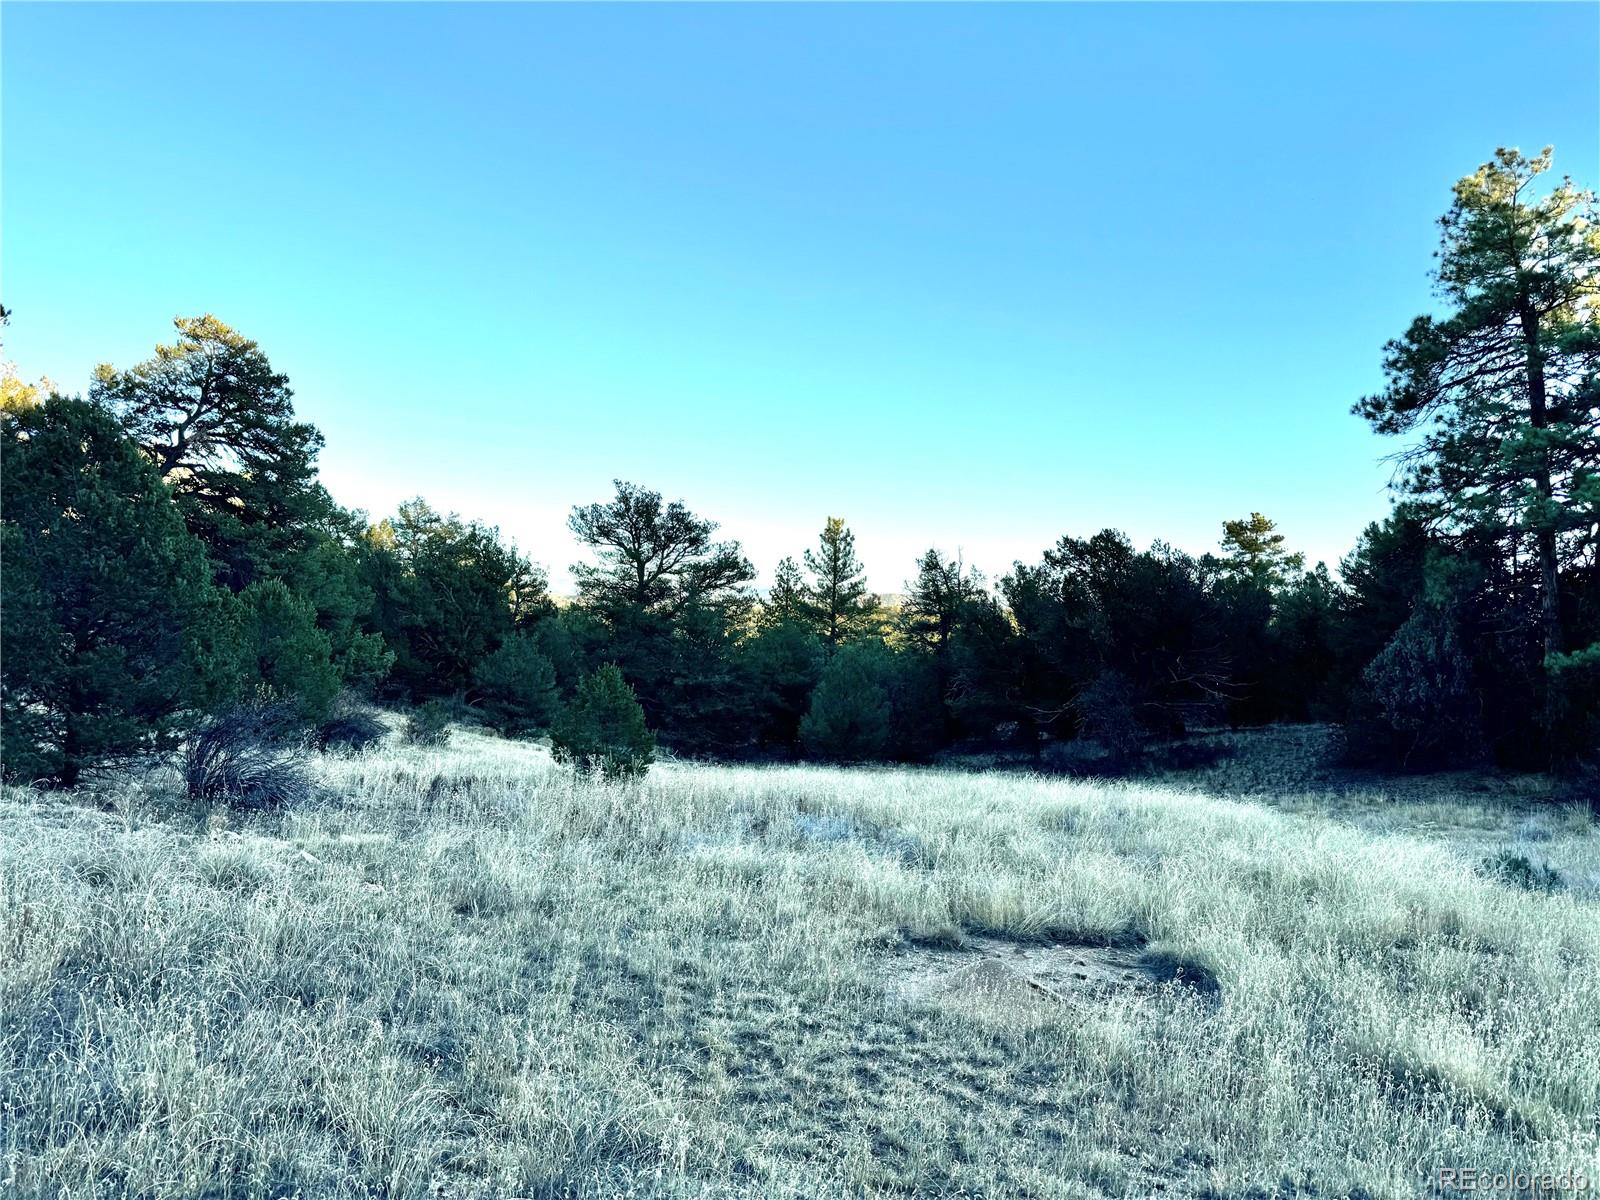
(973, 276)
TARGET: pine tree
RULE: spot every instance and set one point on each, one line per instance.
(448, 593)
(291, 657)
(517, 684)
(603, 728)
(1503, 389)
(786, 599)
(114, 635)
(1254, 552)
(849, 718)
(837, 595)
(785, 660)
(672, 601)
(218, 423)
(936, 599)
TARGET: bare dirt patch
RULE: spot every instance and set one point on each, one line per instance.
(990, 971)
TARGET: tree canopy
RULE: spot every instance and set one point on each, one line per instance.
(218, 423)
(113, 630)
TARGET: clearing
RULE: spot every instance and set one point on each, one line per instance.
(463, 973)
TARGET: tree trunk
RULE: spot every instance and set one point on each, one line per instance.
(1545, 535)
(71, 753)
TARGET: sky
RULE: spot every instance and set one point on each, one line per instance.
(969, 276)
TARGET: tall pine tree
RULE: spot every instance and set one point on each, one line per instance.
(1502, 390)
(837, 592)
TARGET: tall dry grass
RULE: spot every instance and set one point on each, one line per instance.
(465, 973)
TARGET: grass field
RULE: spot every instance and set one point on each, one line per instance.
(463, 973)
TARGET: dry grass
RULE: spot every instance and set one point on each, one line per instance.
(463, 973)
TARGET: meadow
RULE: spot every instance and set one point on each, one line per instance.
(467, 972)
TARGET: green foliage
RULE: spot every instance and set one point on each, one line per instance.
(603, 729)
(672, 602)
(1500, 393)
(285, 651)
(874, 704)
(1383, 577)
(114, 636)
(329, 574)
(836, 599)
(986, 674)
(936, 599)
(517, 686)
(1423, 684)
(569, 637)
(1575, 680)
(17, 395)
(1253, 550)
(849, 718)
(786, 601)
(448, 593)
(785, 661)
(1096, 605)
(1304, 655)
(709, 702)
(654, 557)
(218, 422)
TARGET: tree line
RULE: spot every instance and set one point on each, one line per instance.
(169, 551)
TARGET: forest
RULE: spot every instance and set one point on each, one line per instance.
(171, 558)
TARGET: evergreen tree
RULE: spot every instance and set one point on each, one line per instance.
(1383, 577)
(986, 675)
(603, 729)
(1254, 552)
(1423, 682)
(653, 557)
(785, 661)
(709, 702)
(837, 594)
(1502, 391)
(330, 576)
(1096, 605)
(569, 637)
(849, 718)
(16, 394)
(673, 601)
(874, 704)
(285, 651)
(448, 593)
(217, 421)
(114, 635)
(517, 686)
(936, 598)
(1305, 655)
(786, 600)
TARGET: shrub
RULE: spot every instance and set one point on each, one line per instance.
(291, 655)
(603, 728)
(1422, 684)
(429, 725)
(518, 686)
(350, 727)
(247, 757)
(849, 717)
(1520, 871)
(875, 704)
(1108, 716)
